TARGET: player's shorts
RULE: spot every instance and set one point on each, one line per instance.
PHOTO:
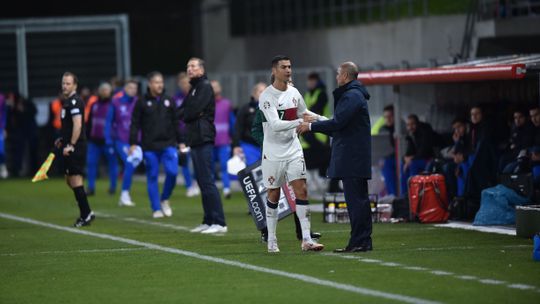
(276, 173)
(75, 163)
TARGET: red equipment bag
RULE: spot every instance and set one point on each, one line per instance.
(428, 199)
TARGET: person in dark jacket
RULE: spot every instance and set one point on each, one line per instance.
(198, 112)
(243, 141)
(419, 149)
(156, 117)
(351, 152)
(521, 138)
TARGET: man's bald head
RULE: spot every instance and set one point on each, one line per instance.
(347, 72)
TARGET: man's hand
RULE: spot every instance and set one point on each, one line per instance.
(238, 151)
(183, 148)
(58, 143)
(68, 149)
(309, 118)
(302, 128)
(131, 149)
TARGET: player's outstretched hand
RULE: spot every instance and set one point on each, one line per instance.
(303, 128)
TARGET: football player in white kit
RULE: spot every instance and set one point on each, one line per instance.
(283, 160)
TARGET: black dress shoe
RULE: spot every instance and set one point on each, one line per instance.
(353, 249)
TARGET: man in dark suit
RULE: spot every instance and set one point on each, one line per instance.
(351, 152)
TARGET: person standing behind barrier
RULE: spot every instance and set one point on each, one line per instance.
(97, 145)
(198, 112)
(223, 121)
(243, 141)
(155, 116)
(117, 130)
(184, 160)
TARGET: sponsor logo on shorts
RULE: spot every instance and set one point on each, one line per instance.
(271, 180)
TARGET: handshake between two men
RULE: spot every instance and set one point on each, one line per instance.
(304, 127)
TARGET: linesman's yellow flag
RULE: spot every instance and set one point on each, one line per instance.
(42, 172)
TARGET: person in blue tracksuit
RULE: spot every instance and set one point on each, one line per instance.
(97, 145)
(156, 117)
(117, 128)
(3, 115)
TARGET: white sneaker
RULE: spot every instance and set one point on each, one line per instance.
(125, 200)
(193, 191)
(272, 246)
(158, 214)
(311, 246)
(227, 193)
(215, 229)
(166, 208)
(199, 228)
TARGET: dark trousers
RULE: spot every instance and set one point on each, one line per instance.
(203, 157)
(356, 196)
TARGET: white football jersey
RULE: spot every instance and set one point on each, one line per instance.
(282, 114)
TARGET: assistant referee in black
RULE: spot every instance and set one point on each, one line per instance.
(72, 145)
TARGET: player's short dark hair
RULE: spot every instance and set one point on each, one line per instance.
(389, 108)
(413, 117)
(314, 76)
(199, 60)
(279, 58)
(131, 80)
(72, 75)
(153, 74)
(534, 107)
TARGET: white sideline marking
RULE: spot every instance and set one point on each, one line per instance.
(139, 221)
(295, 276)
(436, 272)
(73, 251)
(467, 226)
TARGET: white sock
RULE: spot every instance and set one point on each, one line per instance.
(302, 211)
(271, 222)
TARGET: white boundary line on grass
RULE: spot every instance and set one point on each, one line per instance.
(294, 276)
(139, 221)
(437, 272)
(73, 251)
(467, 226)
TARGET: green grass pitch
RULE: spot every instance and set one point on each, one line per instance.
(410, 262)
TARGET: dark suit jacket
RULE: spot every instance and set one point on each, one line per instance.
(350, 131)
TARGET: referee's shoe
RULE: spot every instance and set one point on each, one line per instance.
(80, 222)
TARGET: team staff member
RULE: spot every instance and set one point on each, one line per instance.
(97, 145)
(198, 112)
(73, 145)
(351, 152)
(155, 116)
(117, 128)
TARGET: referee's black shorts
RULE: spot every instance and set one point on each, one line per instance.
(75, 162)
